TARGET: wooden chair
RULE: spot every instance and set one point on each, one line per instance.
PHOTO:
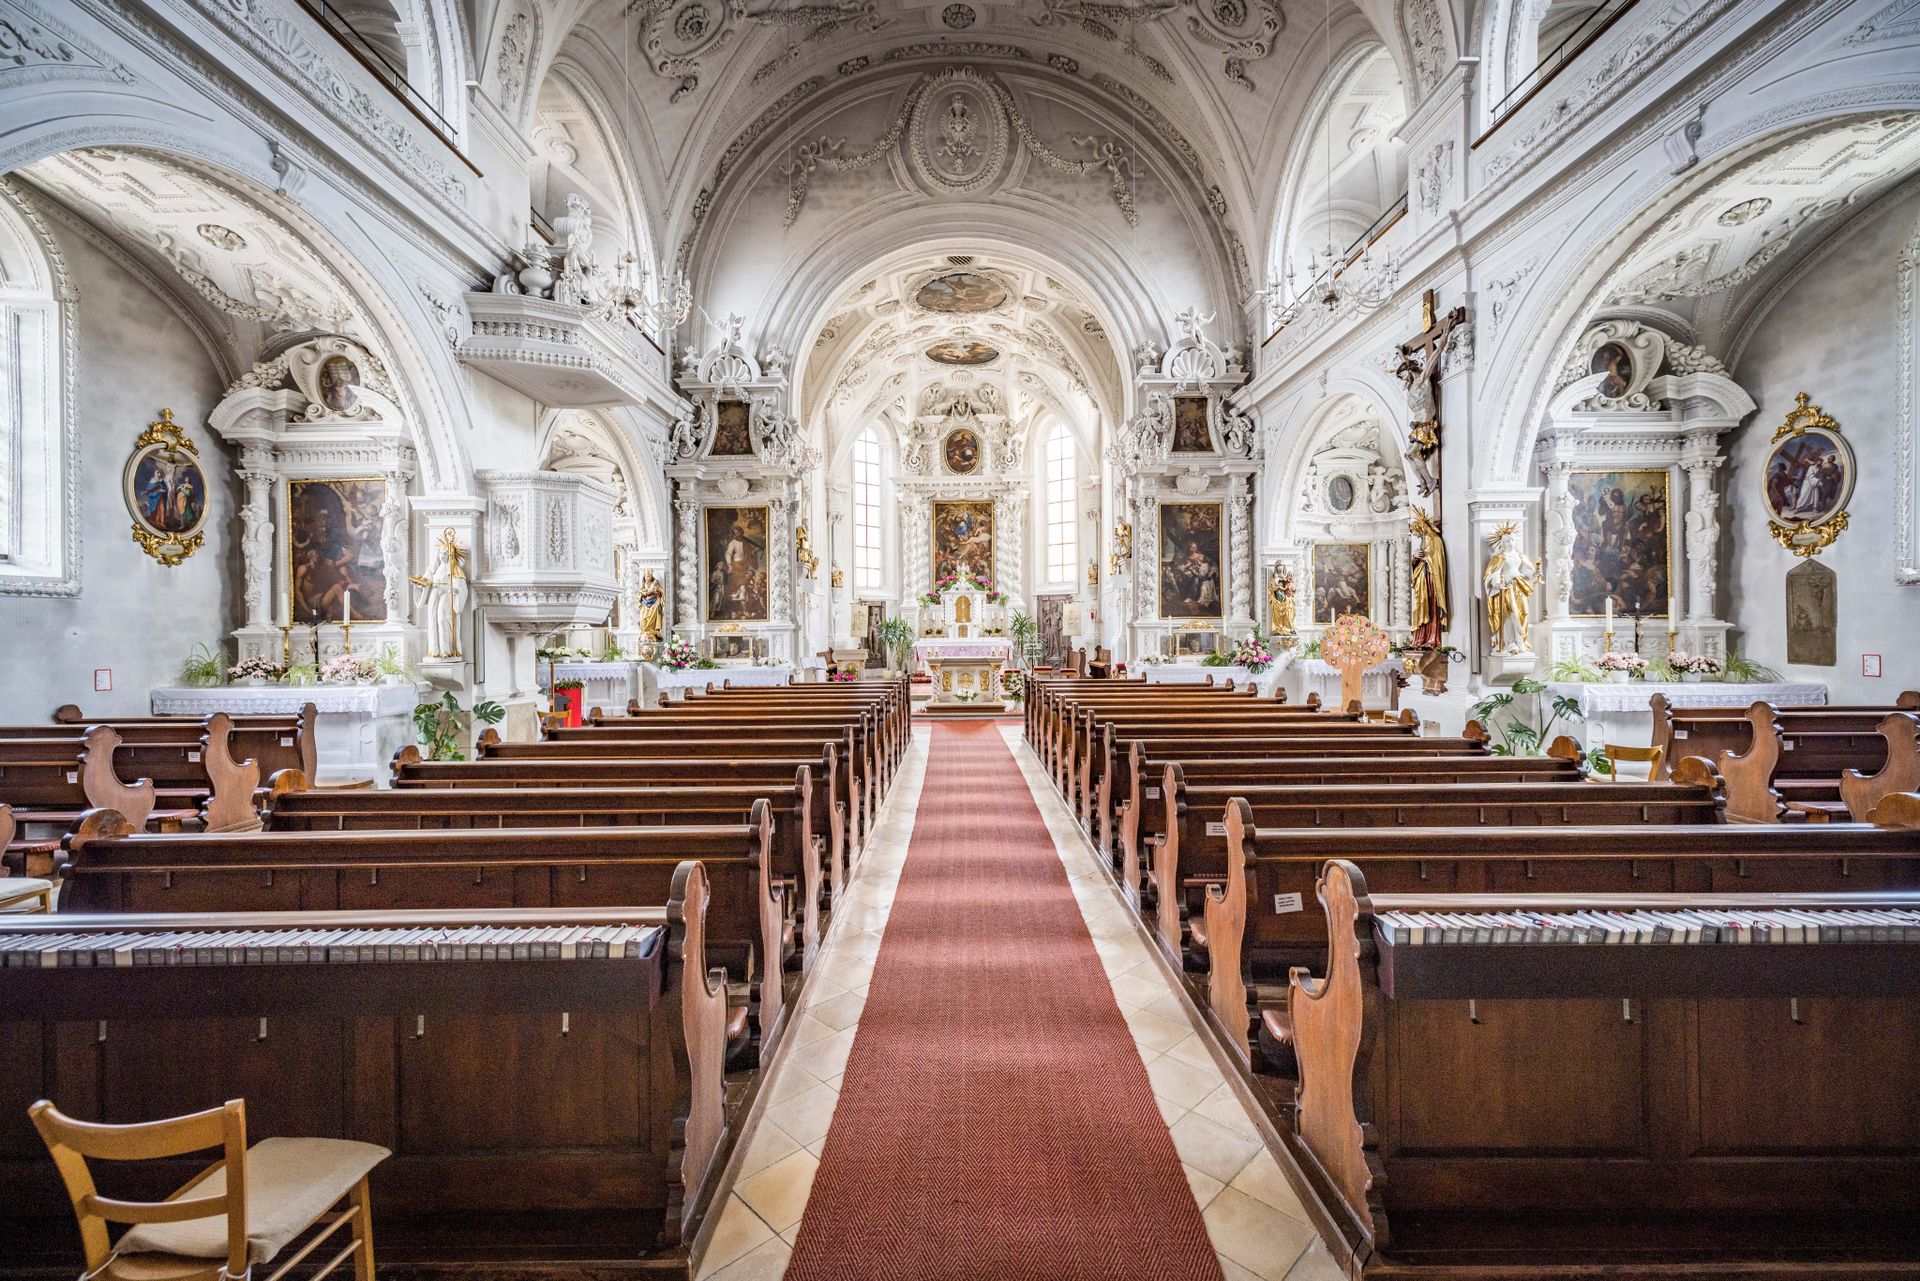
(1652, 757)
(20, 893)
(1102, 664)
(242, 1210)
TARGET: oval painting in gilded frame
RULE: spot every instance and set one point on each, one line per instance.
(961, 449)
(166, 492)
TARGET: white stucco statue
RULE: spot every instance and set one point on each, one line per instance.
(443, 597)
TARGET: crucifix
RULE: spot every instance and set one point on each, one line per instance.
(1419, 373)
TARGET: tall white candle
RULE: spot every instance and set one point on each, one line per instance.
(1609, 613)
(346, 608)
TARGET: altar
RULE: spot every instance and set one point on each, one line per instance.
(357, 731)
(964, 671)
(604, 685)
(658, 685)
(1623, 713)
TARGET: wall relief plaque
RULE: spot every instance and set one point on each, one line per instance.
(1813, 615)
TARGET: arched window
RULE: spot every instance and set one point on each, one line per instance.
(38, 534)
(867, 559)
(1062, 554)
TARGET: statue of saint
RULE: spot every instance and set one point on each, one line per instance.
(443, 596)
(650, 607)
(1509, 582)
(1280, 601)
(1429, 575)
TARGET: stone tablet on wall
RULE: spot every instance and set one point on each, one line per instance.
(736, 564)
(1813, 615)
(1342, 581)
(334, 549)
(1622, 543)
(963, 536)
(1190, 577)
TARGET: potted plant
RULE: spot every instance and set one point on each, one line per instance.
(897, 637)
(1026, 635)
(349, 669)
(392, 669)
(203, 667)
(1747, 672)
(1620, 668)
(566, 698)
(441, 725)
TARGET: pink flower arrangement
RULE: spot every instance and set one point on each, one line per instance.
(1251, 652)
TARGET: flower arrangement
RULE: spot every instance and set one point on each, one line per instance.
(679, 655)
(947, 582)
(1612, 661)
(349, 669)
(1251, 652)
(257, 668)
(1153, 660)
(1694, 664)
(1352, 641)
(569, 684)
(842, 674)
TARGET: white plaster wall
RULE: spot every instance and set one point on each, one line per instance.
(1832, 335)
(132, 615)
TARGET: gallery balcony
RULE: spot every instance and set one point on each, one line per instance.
(562, 354)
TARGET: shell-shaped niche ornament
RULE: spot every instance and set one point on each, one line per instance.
(1807, 480)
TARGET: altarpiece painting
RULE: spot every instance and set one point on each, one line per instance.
(1190, 577)
(962, 538)
(1342, 581)
(333, 550)
(736, 564)
(1622, 543)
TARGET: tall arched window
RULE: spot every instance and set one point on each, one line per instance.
(38, 533)
(867, 559)
(1062, 554)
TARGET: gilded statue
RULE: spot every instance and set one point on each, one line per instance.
(1280, 600)
(1429, 575)
(443, 595)
(1509, 580)
(651, 607)
(803, 551)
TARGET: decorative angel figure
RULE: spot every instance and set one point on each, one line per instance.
(1509, 580)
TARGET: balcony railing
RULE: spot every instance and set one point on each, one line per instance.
(1344, 259)
(369, 55)
(1590, 29)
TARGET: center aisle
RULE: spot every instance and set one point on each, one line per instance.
(996, 1119)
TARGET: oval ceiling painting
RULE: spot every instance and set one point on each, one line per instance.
(962, 293)
(963, 352)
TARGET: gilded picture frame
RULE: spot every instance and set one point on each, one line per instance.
(733, 556)
(1808, 480)
(962, 534)
(1340, 581)
(165, 489)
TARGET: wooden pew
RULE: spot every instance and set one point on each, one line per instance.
(277, 742)
(1790, 768)
(108, 867)
(799, 837)
(50, 783)
(1579, 1109)
(410, 770)
(1264, 919)
(893, 697)
(530, 1104)
(1057, 710)
(874, 724)
(1142, 817)
(854, 787)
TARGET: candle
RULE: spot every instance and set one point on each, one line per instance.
(346, 608)
(1609, 613)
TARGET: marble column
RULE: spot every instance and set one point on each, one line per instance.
(686, 513)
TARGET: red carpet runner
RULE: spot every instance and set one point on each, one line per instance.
(995, 1121)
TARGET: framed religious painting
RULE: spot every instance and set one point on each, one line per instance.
(1342, 581)
(732, 429)
(1622, 543)
(1192, 642)
(731, 647)
(1190, 434)
(339, 382)
(336, 565)
(735, 559)
(1808, 480)
(1190, 572)
(166, 492)
(963, 538)
(961, 450)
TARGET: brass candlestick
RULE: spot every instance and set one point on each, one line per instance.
(313, 635)
(346, 638)
(286, 645)
(1607, 642)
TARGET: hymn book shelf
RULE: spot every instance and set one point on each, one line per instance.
(544, 1114)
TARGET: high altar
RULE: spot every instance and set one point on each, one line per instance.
(963, 645)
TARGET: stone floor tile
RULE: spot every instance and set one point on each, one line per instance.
(1316, 1264)
(840, 1011)
(1205, 1186)
(778, 1193)
(1263, 1180)
(738, 1232)
(768, 1143)
(825, 1057)
(1185, 1083)
(1256, 1236)
(1154, 1035)
(1225, 1107)
(766, 1263)
(1132, 991)
(808, 1114)
(1209, 1147)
